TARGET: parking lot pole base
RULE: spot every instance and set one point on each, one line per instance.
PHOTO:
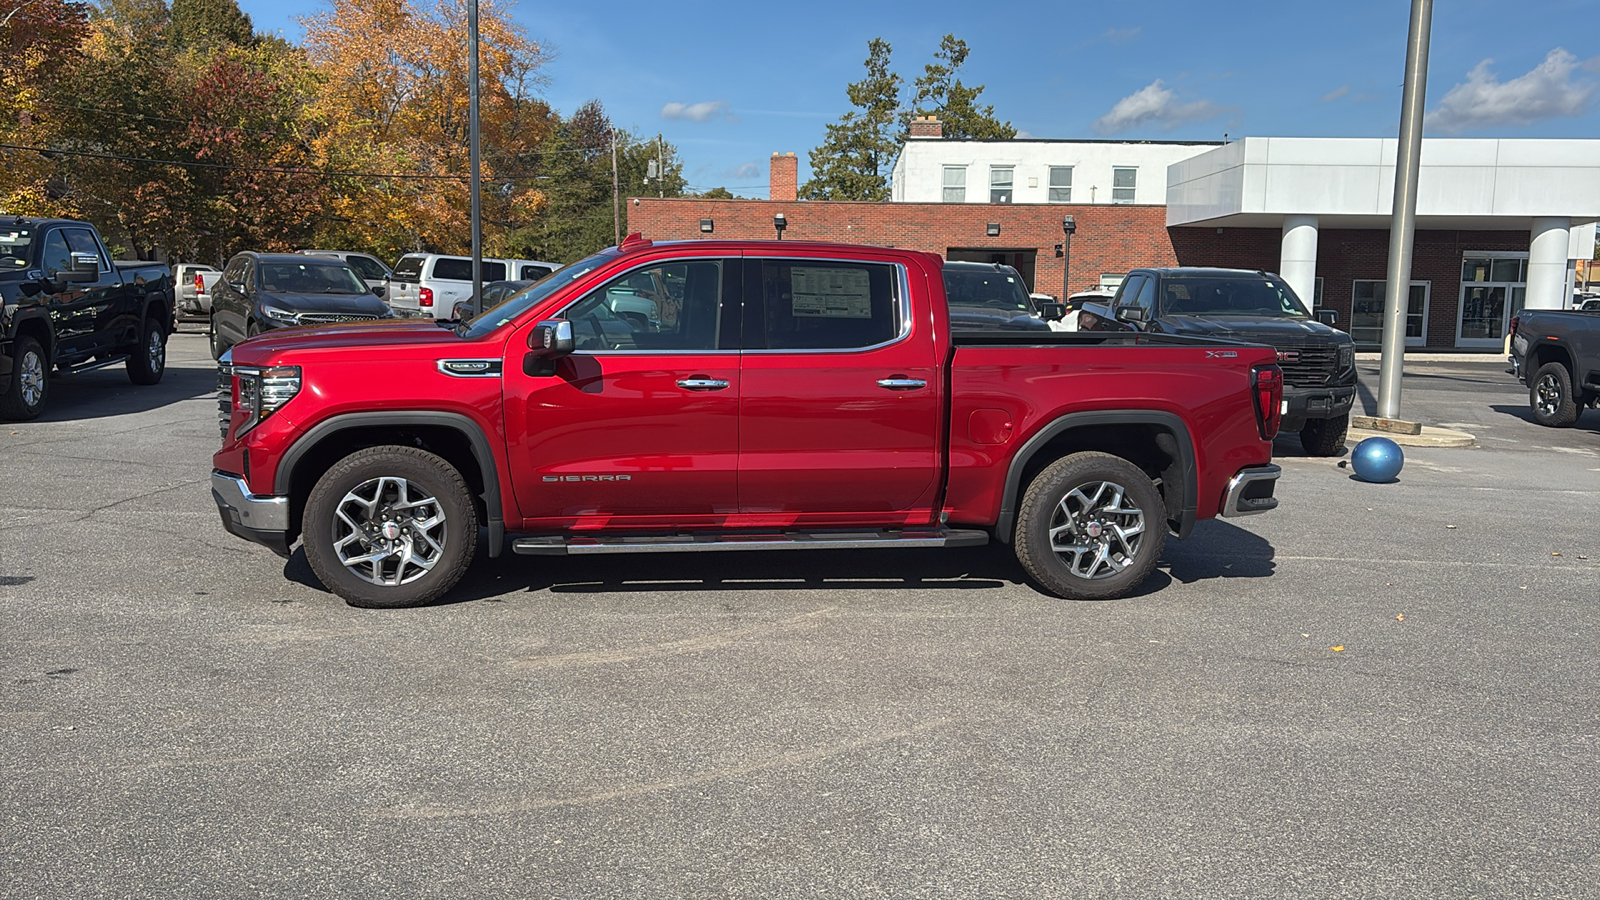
(1389, 426)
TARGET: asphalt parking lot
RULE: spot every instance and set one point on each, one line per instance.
(1376, 690)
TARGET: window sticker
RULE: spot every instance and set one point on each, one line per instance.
(831, 293)
(12, 237)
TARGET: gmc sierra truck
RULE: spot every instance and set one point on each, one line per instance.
(787, 396)
(1556, 353)
(66, 307)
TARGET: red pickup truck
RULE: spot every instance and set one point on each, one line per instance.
(769, 396)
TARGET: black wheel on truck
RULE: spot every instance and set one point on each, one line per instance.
(390, 527)
(1325, 437)
(1091, 527)
(148, 361)
(30, 381)
(218, 345)
(1550, 396)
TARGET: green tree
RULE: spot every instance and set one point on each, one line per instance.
(718, 193)
(208, 24)
(941, 93)
(854, 159)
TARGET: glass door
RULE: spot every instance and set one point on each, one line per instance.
(1366, 313)
(1492, 290)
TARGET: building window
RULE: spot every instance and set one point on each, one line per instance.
(1060, 184)
(1124, 182)
(955, 184)
(1000, 182)
(1316, 294)
(1366, 313)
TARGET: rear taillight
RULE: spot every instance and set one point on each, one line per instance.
(425, 296)
(1267, 386)
(199, 283)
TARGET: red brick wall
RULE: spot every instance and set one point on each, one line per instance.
(783, 177)
(1345, 255)
(1108, 239)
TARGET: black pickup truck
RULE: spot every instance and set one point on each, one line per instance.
(66, 307)
(1318, 361)
(1556, 353)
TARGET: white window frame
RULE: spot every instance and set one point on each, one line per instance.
(1051, 187)
(1134, 188)
(1010, 184)
(960, 189)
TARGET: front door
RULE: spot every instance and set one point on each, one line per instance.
(1492, 291)
(840, 420)
(639, 427)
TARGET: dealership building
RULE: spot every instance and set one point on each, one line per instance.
(1501, 223)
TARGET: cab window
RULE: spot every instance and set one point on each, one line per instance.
(666, 306)
(56, 257)
(825, 305)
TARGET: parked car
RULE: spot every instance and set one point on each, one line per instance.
(66, 307)
(804, 396)
(1556, 353)
(429, 284)
(989, 297)
(494, 294)
(374, 271)
(193, 294)
(1318, 360)
(262, 291)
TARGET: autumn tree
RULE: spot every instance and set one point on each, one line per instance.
(854, 159)
(40, 41)
(941, 93)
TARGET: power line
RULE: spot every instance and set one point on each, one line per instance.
(281, 170)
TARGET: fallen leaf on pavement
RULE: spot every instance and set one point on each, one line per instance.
(1400, 618)
(1337, 648)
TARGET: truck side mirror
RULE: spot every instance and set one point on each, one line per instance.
(1052, 312)
(1132, 314)
(462, 311)
(551, 339)
(84, 268)
(1329, 317)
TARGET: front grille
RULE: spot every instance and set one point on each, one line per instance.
(224, 398)
(1308, 366)
(332, 318)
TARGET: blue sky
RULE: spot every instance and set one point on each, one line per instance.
(731, 83)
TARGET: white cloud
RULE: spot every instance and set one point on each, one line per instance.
(1121, 35)
(1154, 104)
(697, 112)
(746, 170)
(1335, 94)
(1483, 101)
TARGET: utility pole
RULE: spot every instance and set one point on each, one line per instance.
(473, 153)
(661, 169)
(1402, 228)
(616, 195)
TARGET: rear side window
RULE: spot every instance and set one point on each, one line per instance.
(447, 268)
(409, 268)
(824, 305)
(366, 267)
(533, 273)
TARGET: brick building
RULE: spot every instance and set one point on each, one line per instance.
(1500, 223)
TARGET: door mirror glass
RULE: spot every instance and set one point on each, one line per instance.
(1132, 314)
(1052, 312)
(551, 339)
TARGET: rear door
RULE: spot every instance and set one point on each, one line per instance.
(639, 427)
(840, 411)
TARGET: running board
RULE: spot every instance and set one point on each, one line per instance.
(91, 366)
(586, 545)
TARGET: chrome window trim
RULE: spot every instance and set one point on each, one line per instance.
(717, 257)
(901, 285)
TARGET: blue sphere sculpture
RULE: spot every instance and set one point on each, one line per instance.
(1377, 459)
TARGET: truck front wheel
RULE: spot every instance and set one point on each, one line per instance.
(1551, 398)
(1325, 437)
(1091, 527)
(30, 381)
(389, 527)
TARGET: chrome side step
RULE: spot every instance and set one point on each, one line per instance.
(586, 545)
(92, 365)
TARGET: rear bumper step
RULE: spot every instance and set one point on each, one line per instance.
(558, 545)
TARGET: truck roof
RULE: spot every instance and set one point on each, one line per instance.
(1200, 271)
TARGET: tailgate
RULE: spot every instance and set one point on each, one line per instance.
(403, 298)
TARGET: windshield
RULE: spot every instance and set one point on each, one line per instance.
(987, 288)
(521, 302)
(310, 278)
(1240, 295)
(15, 244)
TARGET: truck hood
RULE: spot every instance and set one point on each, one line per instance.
(350, 304)
(1260, 329)
(379, 338)
(977, 318)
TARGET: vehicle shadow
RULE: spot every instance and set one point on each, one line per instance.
(1588, 419)
(1214, 550)
(108, 392)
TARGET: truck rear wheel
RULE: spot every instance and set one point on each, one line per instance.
(1325, 437)
(148, 361)
(1551, 398)
(30, 381)
(1091, 527)
(390, 527)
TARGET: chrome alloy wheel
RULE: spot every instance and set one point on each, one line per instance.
(1096, 531)
(388, 531)
(1550, 391)
(30, 379)
(156, 350)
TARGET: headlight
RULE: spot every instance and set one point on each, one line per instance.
(281, 316)
(1347, 356)
(261, 392)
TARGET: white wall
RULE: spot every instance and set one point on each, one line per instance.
(918, 175)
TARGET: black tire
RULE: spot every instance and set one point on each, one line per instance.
(1325, 437)
(368, 486)
(148, 361)
(1551, 397)
(251, 329)
(218, 345)
(1082, 488)
(25, 396)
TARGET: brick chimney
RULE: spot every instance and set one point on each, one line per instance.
(923, 127)
(785, 177)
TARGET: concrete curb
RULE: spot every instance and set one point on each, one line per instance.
(1485, 356)
(1430, 437)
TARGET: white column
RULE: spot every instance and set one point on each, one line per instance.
(1298, 262)
(1547, 262)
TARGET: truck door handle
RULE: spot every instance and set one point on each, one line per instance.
(901, 383)
(701, 383)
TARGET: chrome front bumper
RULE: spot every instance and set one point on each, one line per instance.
(255, 517)
(1250, 492)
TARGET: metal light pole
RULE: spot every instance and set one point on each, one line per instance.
(473, 160)
(1402, 229)
(1068, 226)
